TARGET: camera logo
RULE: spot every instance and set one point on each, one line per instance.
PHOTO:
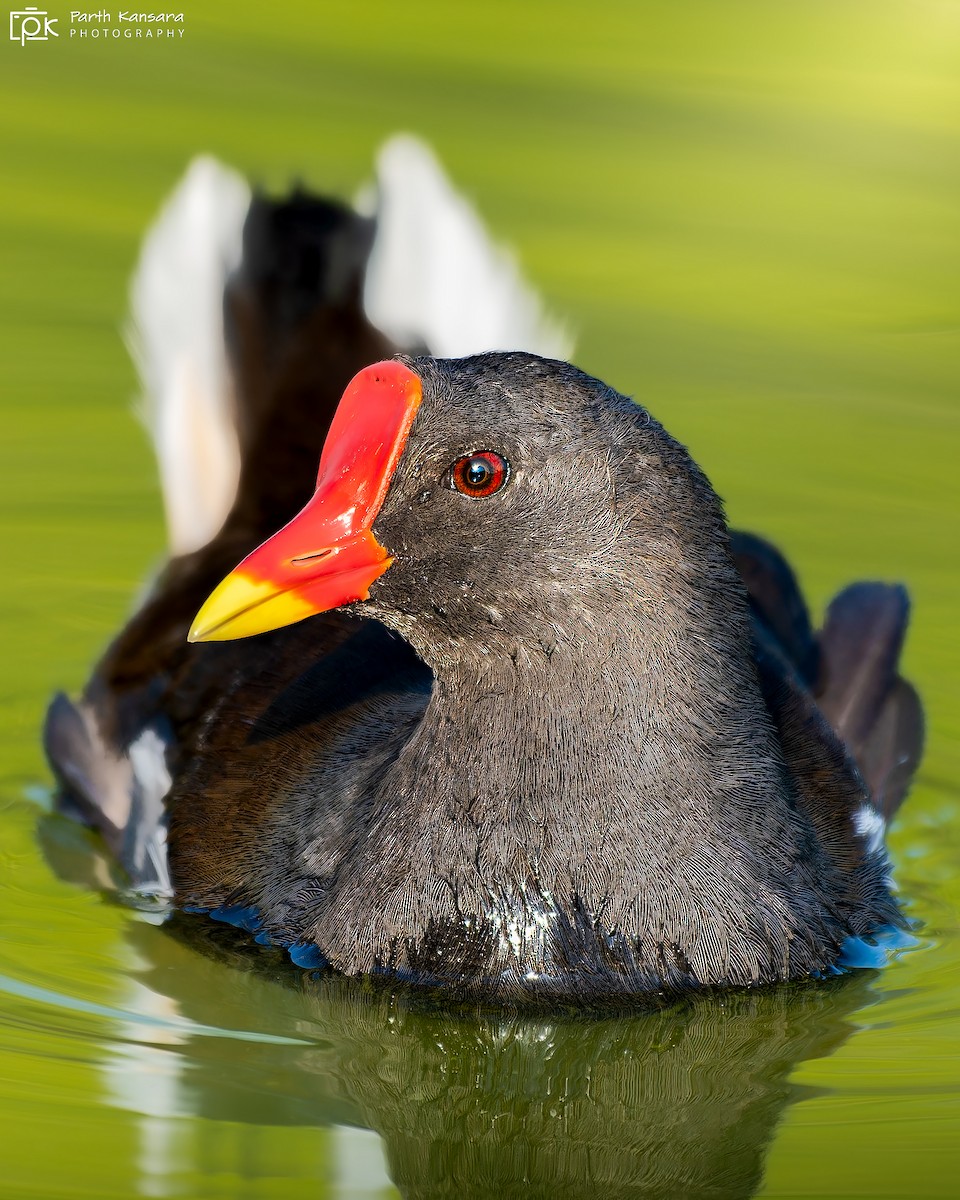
(31, 25)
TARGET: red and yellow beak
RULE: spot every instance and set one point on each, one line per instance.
(327, 555)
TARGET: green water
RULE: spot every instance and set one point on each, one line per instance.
(748, 212)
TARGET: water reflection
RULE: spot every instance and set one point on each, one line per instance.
(287, 1072)
(675, 1103)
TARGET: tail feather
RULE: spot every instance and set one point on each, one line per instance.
(436, 280)
(176, 339)
(301, 252)
(860, 645)
(296, 334)
(860, 692)
(892, 750)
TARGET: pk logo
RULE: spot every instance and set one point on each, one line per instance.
(31, 25)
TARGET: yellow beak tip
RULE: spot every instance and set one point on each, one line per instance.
(242, 606)
(205, 624)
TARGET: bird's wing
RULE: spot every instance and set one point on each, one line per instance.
(860, 691)
(850, 668)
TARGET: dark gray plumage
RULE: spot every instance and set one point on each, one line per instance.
(594, 790)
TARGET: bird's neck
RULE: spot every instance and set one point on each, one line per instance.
(555, 744)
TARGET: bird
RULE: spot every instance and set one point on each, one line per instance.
(460, 680)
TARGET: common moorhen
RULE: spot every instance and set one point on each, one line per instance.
(550, 729)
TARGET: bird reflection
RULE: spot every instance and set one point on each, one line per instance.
(681, 1101)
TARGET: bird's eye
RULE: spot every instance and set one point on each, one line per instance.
(479, 474)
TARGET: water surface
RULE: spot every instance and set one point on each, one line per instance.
(747, 213)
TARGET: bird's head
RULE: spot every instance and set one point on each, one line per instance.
(500, 497)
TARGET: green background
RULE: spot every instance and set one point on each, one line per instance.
(747, 212)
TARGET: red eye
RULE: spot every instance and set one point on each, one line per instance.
(479, 474)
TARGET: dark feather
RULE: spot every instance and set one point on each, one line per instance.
(861, 693)
(120, 794)
(93, 782)
(860, 645)
(776, 600)
(891, 751)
